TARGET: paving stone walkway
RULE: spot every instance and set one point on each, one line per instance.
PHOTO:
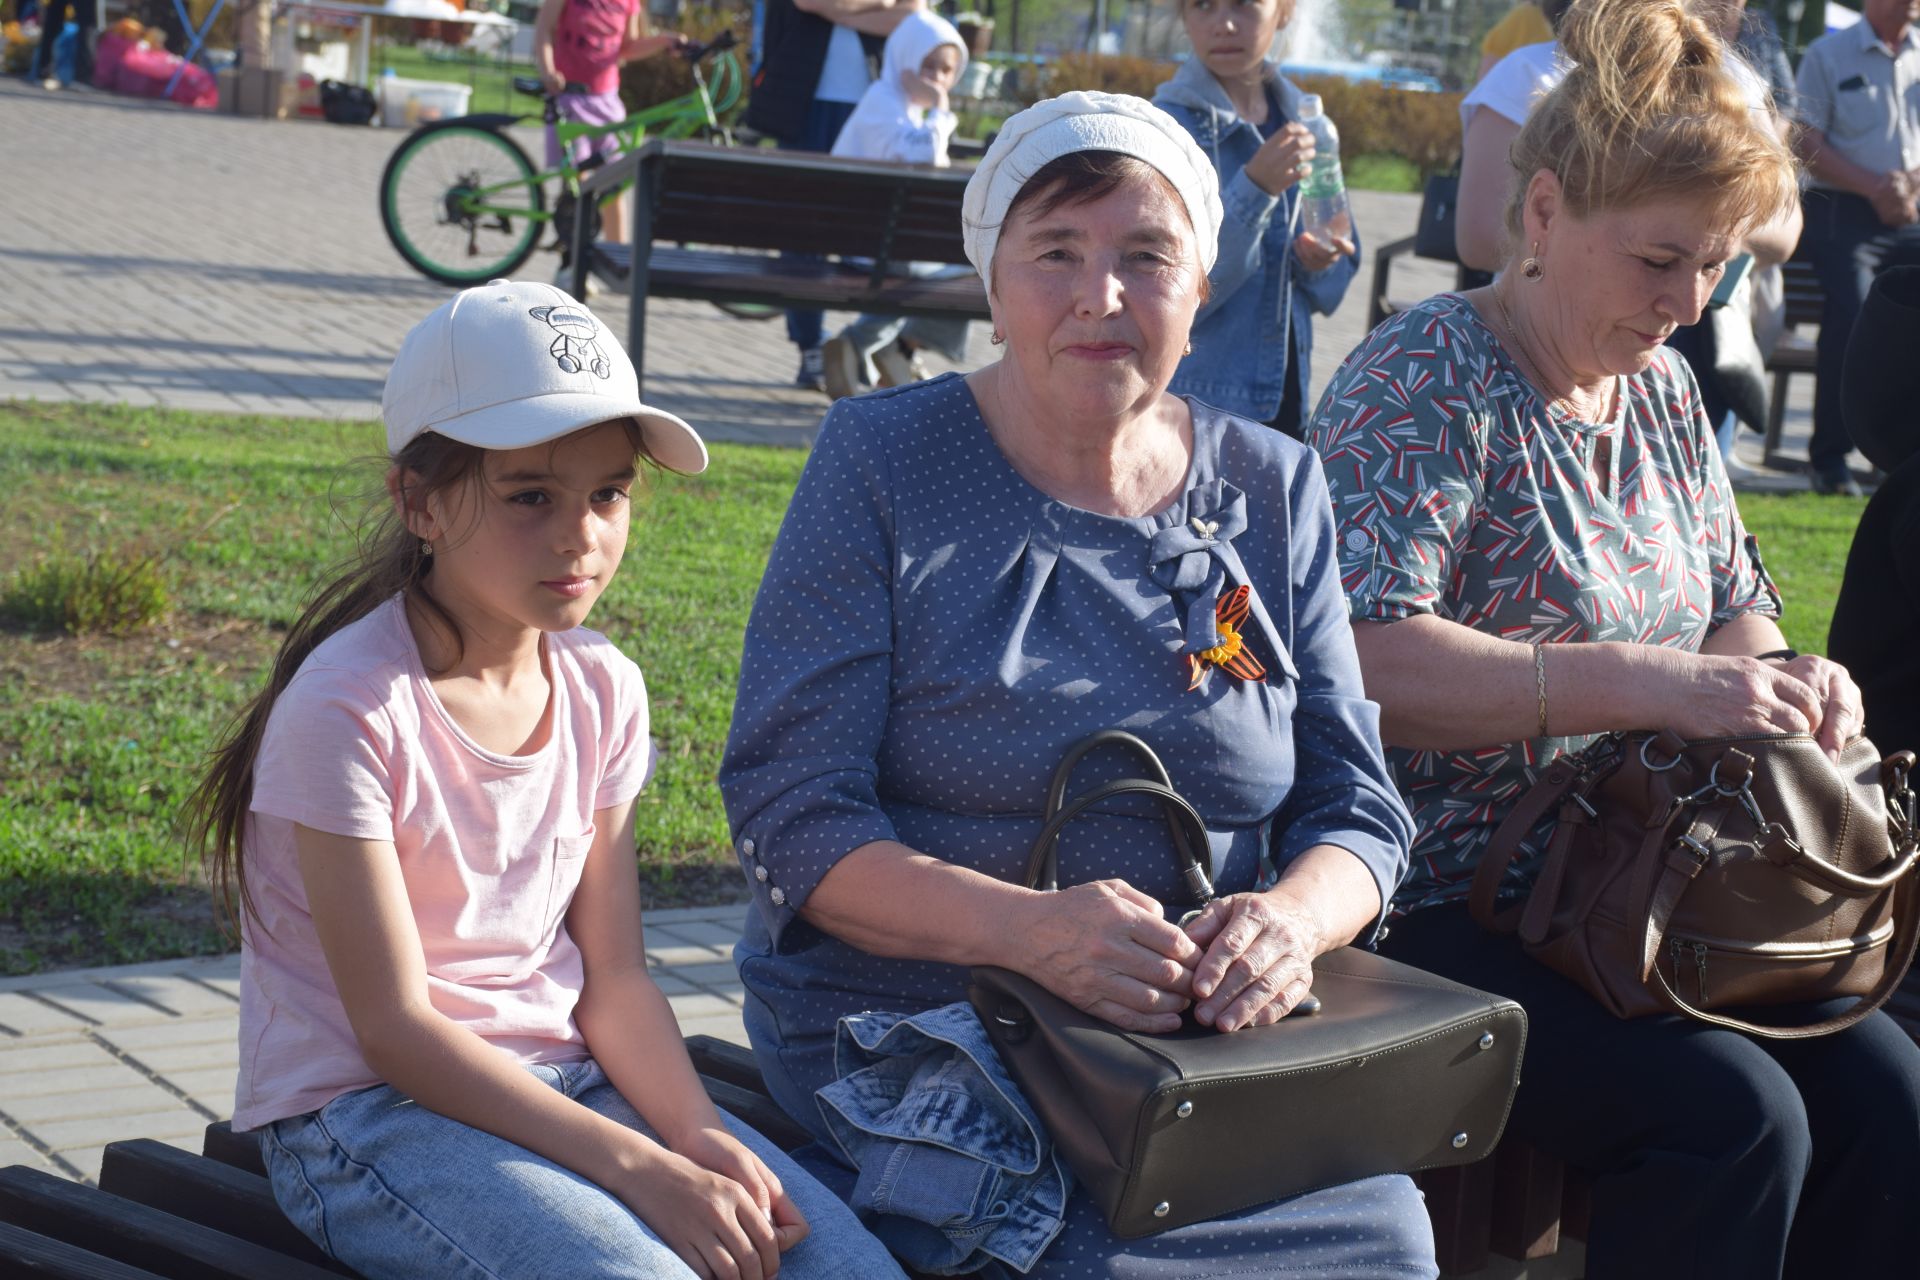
(93, 1056)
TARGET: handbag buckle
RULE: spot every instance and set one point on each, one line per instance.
(1702, 856)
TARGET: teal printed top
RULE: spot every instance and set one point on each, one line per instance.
(1458, 492)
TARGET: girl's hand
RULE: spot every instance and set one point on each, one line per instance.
(716, 1149)
(1107, 949)
(710, 1221)
(553, 82)
(1259, 958)
(1315, 256)
(1282, 160)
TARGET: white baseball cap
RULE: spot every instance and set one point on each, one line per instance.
(514, 363)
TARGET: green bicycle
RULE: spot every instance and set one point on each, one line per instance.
(463, 204)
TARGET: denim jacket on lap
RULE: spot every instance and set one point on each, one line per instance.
(956, 1172)
(1255, 332)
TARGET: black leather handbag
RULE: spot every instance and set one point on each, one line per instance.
(1399, 1070)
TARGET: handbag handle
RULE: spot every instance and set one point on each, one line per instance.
(1184, 823)
(1678, 875)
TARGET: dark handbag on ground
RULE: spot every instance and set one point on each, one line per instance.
(1433, 234)
(1687, 876)
(1400, 1070)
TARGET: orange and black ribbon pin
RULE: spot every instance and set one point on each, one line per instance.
(1231, 653)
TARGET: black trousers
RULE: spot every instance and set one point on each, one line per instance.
(1848, 246)
(51, 24)
(1712, 1153)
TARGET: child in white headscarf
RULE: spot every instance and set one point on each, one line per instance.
(904, 116)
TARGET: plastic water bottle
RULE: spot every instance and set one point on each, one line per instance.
(1323, 192)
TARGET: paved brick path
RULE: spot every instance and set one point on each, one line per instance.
(150, 1051)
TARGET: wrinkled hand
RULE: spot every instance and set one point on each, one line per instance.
(1259, 959)
(1107, 949)
(1842, 716)
(1712, 696)
(729, 1222)
(1316, 256)
(1282, 160)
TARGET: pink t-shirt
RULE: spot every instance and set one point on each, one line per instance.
(491, 848)
(587, 39)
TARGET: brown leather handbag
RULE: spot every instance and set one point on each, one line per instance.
(1398, 1070)
(1689, 876)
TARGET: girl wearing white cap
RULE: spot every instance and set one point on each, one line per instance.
(1253, 340)
(449, 1044)
(977, 572)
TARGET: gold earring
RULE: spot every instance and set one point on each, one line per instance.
(1187, 350)
(1531, 268)
(995, 338)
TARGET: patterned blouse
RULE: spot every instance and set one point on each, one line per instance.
(1458, 492)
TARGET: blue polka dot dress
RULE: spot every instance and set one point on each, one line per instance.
(933, 632)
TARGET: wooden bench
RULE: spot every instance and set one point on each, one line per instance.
(1793, 353)
(162, 1211)
(709, 222)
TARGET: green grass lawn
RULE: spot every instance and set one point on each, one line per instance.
(1379, 171)
(490, 78)
(101, 739)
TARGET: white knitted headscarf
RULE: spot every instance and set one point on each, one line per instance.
(1087, 121)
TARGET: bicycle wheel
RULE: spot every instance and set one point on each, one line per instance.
(462, 203)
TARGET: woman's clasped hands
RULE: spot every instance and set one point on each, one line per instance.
(1106, 948)
(714, 1203)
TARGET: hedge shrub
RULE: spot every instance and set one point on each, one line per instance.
(1373, 119)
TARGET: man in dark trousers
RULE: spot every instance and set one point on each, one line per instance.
(1859, 100)
(813, 68)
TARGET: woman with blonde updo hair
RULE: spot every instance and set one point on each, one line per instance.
(1539, 545)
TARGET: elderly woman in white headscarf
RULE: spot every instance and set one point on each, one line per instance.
(975, 573)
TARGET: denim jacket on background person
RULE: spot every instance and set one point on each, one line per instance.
(1256, 330)
(956, 1172)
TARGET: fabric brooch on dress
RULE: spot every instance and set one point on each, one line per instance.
(1194, 561)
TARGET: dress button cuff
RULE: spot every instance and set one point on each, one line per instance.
(778, 895)
(760, 874)
(748, 847)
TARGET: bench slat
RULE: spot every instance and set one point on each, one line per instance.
(236, 1150)
(137, 1234)
(213, 1195)
(28, 1253)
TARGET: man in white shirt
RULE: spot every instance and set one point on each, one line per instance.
(1859, 100)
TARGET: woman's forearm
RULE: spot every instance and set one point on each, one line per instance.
(1336, 890)
(1445, 687)
(889, 900)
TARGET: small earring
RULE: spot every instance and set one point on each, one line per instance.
(1531, 268)
(426, 548)
(1187, 350)
(995, 338)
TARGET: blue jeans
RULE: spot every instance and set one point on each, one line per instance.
(393, 1189)
(824, 121)
(1848, 246)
